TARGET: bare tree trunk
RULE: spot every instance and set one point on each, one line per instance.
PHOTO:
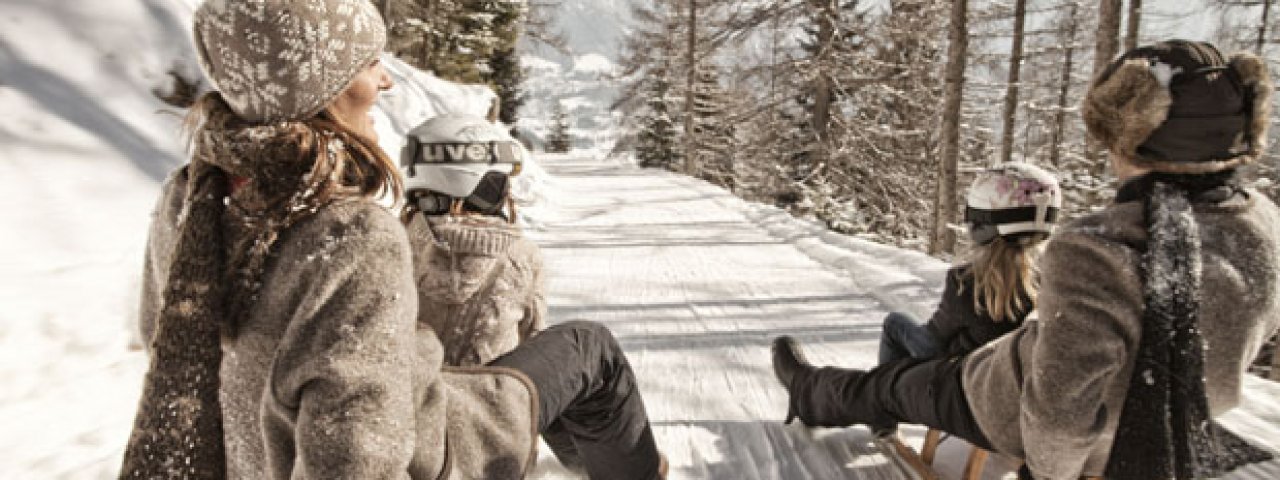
(943, 239)
(1011, 90)
(1262, 27)
(1064, 88)
(822, 97)
(1106, 47)
(1108, 38)
(1133, 27)
(691, 144)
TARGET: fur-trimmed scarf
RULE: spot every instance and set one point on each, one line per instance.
(223, 243)
(1165, 430)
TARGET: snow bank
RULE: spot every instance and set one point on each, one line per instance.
(83, 146)
(593, 63)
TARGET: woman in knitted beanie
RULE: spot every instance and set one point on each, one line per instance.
(1149, 310)
(279, 299)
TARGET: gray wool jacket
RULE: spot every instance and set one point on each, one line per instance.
(1051, 391)
(480, 284)
(331, 376)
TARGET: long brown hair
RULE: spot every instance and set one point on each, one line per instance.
(296, 168)
(1005, 276)
(365, 170)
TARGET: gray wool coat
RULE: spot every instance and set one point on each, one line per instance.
(480, 284)
(331, 376)
(1051, 392)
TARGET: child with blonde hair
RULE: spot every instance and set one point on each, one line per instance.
(1011, 209)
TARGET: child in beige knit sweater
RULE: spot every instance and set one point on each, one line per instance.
(480, 284)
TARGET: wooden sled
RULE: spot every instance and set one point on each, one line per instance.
(921, 464)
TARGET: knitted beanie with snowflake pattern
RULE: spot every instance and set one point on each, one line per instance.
(280, 60)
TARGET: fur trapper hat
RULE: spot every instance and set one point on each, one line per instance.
(281, 60)
(1180, 107)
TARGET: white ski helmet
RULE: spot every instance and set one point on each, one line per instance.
(1010, 200)
(450, 153)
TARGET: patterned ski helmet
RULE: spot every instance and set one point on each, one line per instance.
(1010, 200)
(450, 154)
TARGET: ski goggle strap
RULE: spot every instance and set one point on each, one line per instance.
(489, 153)
(979, 216)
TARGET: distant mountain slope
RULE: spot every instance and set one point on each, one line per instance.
(594, 30)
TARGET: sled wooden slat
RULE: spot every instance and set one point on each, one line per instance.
(931, 440)
(908, 455)
(972, 467)
(977, 460)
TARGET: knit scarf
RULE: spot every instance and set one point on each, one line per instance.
(223, 242)
(1165, 430)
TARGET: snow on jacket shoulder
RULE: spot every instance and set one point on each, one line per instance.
(479, 285)
(330, 376)
(1051, 391)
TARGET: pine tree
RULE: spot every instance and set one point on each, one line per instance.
(455, 39)
(559, 140)
(657, 140)
(651, 60)
(712, 129)
(504, 72)
(467, 41)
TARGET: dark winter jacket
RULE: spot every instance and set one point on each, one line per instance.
(479, 284)
(958, 327)
(1052, 390)
(331, 376)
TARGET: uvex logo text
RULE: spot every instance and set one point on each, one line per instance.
(455, 152)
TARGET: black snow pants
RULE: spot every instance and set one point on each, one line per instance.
(926, 392)
(587, 396)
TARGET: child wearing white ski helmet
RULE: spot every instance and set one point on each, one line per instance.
(457, 162)
(479, 279)
(1011, 209)
(1149, 311)
(1017, 202)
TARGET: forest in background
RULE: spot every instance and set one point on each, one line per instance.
(872, 115)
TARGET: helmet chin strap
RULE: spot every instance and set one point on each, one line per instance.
(1041, 200)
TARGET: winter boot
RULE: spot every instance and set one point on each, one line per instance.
(789, 363)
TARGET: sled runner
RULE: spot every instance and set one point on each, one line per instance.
(920, 465)
(972, 467)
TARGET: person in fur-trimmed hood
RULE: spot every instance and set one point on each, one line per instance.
(279, 300)
(1149, 311)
